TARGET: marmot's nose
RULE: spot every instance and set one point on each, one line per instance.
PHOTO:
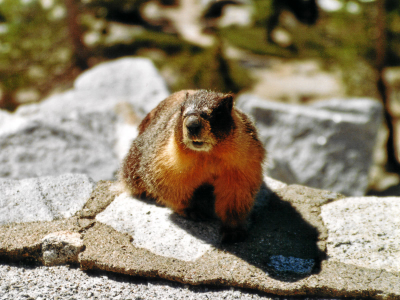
(193, 124)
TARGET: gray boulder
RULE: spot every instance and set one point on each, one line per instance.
(76, 131)
(57, 145)
(43, 199)
(100, 89)
(328, 145)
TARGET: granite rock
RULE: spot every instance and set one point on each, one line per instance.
(328, 145)
(55, 145)
(61, 247)
(163, 232)
(158, 229)
(284, 254)
(364, 232)
(44, 198)
(288, 251)
(132, 80)
(79, 131)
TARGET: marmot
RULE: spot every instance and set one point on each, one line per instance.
(195, 144)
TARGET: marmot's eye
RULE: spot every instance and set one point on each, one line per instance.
(204, 115)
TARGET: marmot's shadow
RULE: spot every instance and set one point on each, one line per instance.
(280, 241)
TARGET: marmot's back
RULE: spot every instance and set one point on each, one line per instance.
(196, 141)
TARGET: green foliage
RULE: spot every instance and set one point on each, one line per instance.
(35, 49)
(149, 39)
(35, 39)
(262, 10)
(254, 40)
(208, 69)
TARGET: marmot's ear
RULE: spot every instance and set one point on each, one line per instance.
(183, 103)
(227, 100)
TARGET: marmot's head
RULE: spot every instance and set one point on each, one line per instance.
(205, 120)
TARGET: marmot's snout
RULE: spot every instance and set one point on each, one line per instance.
(196, 132)
(193, 124)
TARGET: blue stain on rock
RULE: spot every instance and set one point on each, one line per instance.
(292, 264)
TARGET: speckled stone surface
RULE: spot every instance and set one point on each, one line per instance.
(364, 232)
(287, 252)
(44, 198)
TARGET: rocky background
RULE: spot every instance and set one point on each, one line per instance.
(327, 145)
(70, 111)
(265, 48)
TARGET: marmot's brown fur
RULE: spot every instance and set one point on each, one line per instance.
(195, 144)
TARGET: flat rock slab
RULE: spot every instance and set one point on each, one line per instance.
(157, 229)
(284, 254)
(287, 251)
(364, 232)
(25, 240)
(44, 198)
(164, 233)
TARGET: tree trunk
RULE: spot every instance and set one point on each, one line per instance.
(80, 51)
(381, 44)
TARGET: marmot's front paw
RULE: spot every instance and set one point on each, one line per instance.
(233, 235)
